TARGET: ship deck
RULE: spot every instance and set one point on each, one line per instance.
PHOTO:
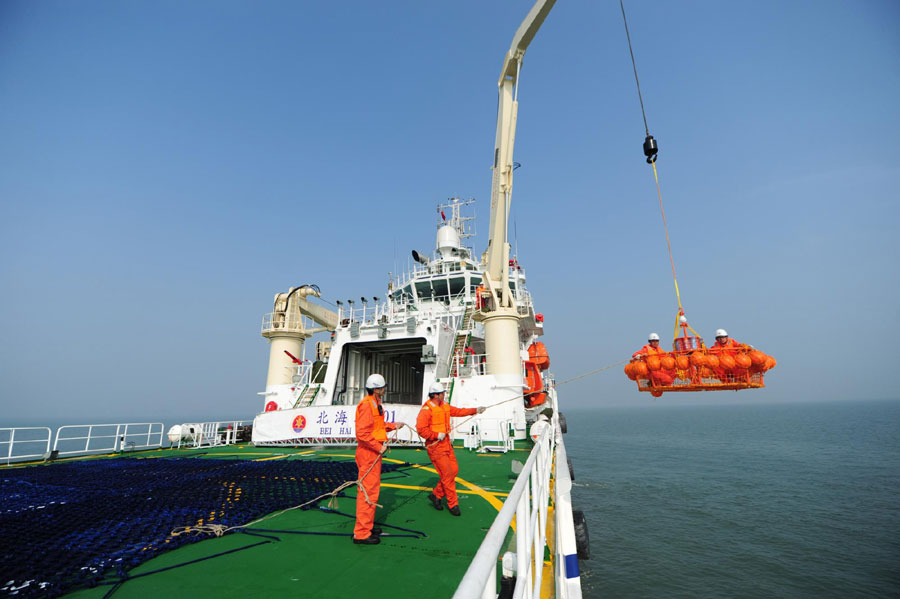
(288, 560)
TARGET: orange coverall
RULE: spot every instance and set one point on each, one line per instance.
(728, 347)
(657, 377)
(729, 344)
(434, 418)
(371, 435)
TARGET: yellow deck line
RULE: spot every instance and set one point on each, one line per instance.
(475, 489)
(277, 457)
(415, 488)
(548, 578)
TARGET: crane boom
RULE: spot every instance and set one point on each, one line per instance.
(500, 315)
(497, 254)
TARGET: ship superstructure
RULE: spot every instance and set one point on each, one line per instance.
(428, 328)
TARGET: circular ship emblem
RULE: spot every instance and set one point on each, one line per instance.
(299, 423)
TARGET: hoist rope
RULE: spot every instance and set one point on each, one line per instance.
(651, 158)
(668, 243)
(634, 66)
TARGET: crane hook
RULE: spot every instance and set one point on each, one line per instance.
(650, 149)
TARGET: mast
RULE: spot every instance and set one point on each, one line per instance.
(501, 317)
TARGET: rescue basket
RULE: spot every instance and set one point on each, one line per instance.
(701, 369)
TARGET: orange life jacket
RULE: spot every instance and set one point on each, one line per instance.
(440, 416)
(725, 348)
(378, 429)
(648, 350)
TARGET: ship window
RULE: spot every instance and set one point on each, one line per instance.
(440, 287)
(457, 284)
(423, 290)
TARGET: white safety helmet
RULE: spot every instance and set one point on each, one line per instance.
(375, 381)
(721, 333)
(435, 388)
(653, 337)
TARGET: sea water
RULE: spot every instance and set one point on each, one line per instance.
(765, 500)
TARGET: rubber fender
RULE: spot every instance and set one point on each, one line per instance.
(571, 469)
(562, 424)
(582, 539)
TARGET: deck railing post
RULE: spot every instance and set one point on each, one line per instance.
(521, 539)
(12, 441)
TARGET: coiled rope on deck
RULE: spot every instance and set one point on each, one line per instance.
(220, 529)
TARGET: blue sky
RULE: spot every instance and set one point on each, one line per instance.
(166, 167)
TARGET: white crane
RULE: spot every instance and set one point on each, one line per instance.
(501, 329)
(287, 333)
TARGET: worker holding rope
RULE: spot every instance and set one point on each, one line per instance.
(371, 443)
(433, 425)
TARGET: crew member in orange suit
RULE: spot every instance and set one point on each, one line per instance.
(371, 443)
(725, 345)
(657, 377)
(433, 425)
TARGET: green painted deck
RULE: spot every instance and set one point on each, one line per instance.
(332, 566)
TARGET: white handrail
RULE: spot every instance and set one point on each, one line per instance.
(213, 434)
(11, 442)
(530, 509)
(107, 438)
(466, 364)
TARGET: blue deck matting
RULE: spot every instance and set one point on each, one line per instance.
(65, 525)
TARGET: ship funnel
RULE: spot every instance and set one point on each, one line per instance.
(448, 241)
(420, 257)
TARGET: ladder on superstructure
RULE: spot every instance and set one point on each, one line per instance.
(462, 336)
(307, 396)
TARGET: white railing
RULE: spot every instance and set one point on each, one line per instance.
(280, 321)
(466, 364)
(528, 502)
(490, 435)
(396, 312)
(30, 437)
(213, 434)
(301, 373)
(385, 312)
(96, 438)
